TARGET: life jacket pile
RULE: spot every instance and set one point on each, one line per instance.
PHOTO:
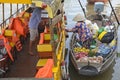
(7, 46)
(24, 17)
(20, 23)
(13, 38)
(18, 45)
(16, 24)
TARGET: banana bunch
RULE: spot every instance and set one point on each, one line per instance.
(79, 49)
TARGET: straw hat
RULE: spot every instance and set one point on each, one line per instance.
(79, 17)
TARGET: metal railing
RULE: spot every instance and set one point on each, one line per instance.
(7, 20)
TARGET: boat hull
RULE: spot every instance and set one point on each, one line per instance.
(89, 70)
(93, 1)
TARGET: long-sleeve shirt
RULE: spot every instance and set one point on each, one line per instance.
(83, 31)
(35, 18)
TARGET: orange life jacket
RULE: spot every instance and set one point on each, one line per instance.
(18, 45)
(7, 46)
(41, 41)
(15, 40)
(46, 71)
(46, 29)
(24, 17)
(17, 25)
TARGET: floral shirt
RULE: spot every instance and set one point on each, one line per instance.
(83, 31)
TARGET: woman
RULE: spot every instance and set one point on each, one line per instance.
(84, 33)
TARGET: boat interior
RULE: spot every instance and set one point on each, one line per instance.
(48, 49)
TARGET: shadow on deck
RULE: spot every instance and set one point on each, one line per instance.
(25, 64)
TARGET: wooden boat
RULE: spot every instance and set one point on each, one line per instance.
(51, 48)
(96, 59)
(93, 1)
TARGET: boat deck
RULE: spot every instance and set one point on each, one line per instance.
(25, 64)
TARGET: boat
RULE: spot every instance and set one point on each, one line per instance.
(51, 47)
(93, 1)
(101, 54)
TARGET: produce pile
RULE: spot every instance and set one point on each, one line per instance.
(84, 55)
(96, 53)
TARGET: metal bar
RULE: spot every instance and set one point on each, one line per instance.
(10, 17)
(23, 6)
(82, 8)
(10, 9)
(3, 14)
(17, 1)
(27, 5)
(114, 12)
(17, 8)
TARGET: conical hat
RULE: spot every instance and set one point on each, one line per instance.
(79, 17)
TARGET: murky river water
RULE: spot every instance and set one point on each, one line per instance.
(72, 7)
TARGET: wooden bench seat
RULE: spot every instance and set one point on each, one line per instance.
(45, 50)
(47, 38)
(41, 63)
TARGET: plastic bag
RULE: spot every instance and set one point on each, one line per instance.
(108, 37)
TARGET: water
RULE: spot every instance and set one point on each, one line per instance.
(72, 7)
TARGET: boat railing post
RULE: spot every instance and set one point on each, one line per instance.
(3, 14)
(26, 6)
(10, 9)
(23, 7)
(17, 10)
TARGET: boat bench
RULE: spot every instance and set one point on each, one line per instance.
(8, 34)
(47, 38)
(40, 63)
(44, 51)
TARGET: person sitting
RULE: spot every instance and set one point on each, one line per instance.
(84, 32)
